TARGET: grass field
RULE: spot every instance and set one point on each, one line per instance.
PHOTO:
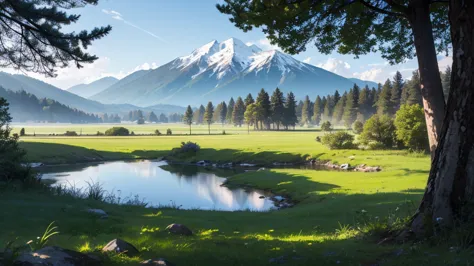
(322, 229)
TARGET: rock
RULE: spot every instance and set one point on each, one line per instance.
(56, 256)
(227, 165)
(101, 213)
(247, 165)
(203, 163)
(261, 169)
(32, 165)
(120, 246)
(261, 197)
(345, 166)
(278, 198)
(160, 262)
(364, 168)
(179, 229)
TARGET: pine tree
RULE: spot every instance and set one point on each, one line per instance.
(395, 93)
(238, 113)
(383, 103)
(249, 100)
(208, 115)
(277, 104)
(336, 98)
(163, 118)
(37, 27)
(223, 112)
(230, 110)
(152, 117)
(317, 110)
(264, 112)
(351, 106)
(201, 110)
(188, 117)
(446, 81)
(290, 111)
(306, 112)
(328, 109)
(339, 110)
(414, 90)
(217, 113)
(299, 110)
(364, 104)
(250, 115)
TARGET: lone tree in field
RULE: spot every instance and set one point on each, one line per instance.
(208, 115)
(397, 29)
(33, 38)
(188, 117)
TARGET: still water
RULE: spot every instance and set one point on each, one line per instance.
(159, 184)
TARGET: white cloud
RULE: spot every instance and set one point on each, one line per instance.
(116, 15)
(444, 62)
(307, 60)
(264, 44)
(336, 66)
(373, 74)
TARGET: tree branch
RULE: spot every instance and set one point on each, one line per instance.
(380, 10)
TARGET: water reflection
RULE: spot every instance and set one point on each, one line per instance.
(161, 184)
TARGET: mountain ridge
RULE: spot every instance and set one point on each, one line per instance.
(90, 89)
(217, 71)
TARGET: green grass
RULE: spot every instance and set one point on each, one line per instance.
(314, 232)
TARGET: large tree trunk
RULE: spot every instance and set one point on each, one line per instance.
(450, 189)
(431, 87)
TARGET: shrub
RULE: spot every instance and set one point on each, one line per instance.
(22, 131)
(99, 133)
(157, 132)
(411, 127)
(186, 147)
(169, 132)
(358, 127)
(223, 132)
(378, 132)
(70, 133)
(117, 131)
(326, 126)
(141, 121)
(318, 139)
(132, 134)
(338, 140)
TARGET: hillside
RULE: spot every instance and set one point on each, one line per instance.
(87, 90)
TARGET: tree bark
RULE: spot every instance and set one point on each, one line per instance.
(431, 87)
(450, 189)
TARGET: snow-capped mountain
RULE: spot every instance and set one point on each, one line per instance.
(217, 71)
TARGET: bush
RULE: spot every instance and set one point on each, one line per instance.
(186, 147)
(99, 133)
(117, 131)
(358, 127)
(378, 132)
(338, 140)
(157, 132)
(411, 127)
(70, 133)
(22, 131)
(169, 132)
(141, 121)
(132, 134)
(318, 139)
(326, 126)
(223, 132)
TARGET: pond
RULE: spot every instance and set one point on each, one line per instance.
(160, 184)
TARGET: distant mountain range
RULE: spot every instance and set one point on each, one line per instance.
(218, 71)
(44, 90)
(87, 90)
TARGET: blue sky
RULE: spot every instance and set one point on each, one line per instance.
(149, 33)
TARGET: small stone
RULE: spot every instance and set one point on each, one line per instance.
(98, 212)
(56, 256)
(121, 246)
(157, 262)
(179, 229)
(261, 197)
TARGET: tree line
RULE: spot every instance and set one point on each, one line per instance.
(279, 112)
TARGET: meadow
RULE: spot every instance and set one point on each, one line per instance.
(338, 220)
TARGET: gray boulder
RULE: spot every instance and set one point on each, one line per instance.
(121, 246)
(157, 262)
(56, 256)
(179, 229)
(98, 212)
